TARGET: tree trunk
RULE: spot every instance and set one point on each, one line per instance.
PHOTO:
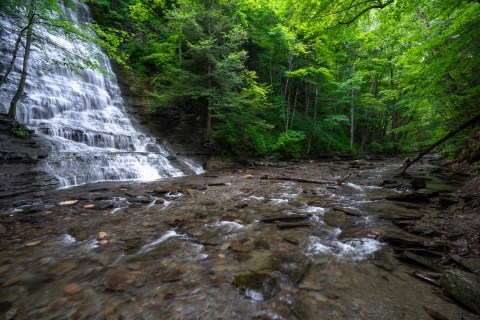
(314, 125)
(12, 112)
(352, 125)
(294, 107)
(14, 54)
(180, 46)
(471, 122)
(209, 106)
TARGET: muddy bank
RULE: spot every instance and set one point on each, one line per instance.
(232, 244)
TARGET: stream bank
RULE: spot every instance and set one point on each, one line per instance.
(231, 244)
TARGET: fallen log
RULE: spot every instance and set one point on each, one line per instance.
(285, 178)
(472, 122)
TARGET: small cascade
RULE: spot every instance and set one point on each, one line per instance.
(83, 115)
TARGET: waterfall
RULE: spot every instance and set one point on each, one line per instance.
(83, 115)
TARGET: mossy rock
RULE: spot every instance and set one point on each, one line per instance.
(336, 218)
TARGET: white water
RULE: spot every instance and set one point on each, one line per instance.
(82, 115)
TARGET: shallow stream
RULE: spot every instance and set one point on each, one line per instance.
(222, 245)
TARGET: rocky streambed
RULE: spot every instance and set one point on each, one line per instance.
(283, 242)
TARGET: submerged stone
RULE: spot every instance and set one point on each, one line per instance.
(256, 286)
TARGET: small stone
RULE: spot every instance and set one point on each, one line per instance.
(67, 203)
(103, 241)
(248, 176)
(101, 235)
(375, 232)
(72, 288)
(88, 206)
(33, 243)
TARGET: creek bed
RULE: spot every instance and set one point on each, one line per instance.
(223, 245)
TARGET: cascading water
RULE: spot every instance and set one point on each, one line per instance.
(82, 115)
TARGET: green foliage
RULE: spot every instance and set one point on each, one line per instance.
(20, 131)
(290, 144)
(399, 77)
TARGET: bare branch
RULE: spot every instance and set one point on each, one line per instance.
(379, 5)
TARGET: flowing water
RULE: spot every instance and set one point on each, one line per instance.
(81, 113)
(202, 247)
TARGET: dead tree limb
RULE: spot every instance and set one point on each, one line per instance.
(284, 178)
(471, 122)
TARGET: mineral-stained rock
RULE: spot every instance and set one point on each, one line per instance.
(463, 287)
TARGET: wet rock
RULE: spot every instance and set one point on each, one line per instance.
(291, 225)
(418, 183)
(350, 211)
(472, 264)
(285, 218)
(316, 204)
(291, 264)
(240, 247)
(291, 240)
(101, 235)
(170, 276)
(336, 218)
(422, 261)
(408, 197)
(104, 205)
(463, 287)
(211, 238)
(261, 244)
(435, 314)
(161, 250)
(307, 308)
(257, 286)
(3, 229)
(120, 281)
(447, 202)
(11, 314)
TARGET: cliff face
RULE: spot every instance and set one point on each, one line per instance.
(181, 128)
(20, 172)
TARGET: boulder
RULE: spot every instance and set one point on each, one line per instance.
(463, 287)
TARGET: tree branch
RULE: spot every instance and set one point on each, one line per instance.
(380, 5)
(471, 122)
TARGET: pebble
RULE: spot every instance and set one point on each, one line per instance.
(101, 235)
(103, 241)
(68, 203)
(72, 288)
(89, 206)
(248, 176)
(33, 243)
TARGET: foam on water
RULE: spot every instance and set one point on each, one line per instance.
(350, 249)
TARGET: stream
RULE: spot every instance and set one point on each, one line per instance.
(220, 245)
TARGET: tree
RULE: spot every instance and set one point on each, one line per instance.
(36, 21)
